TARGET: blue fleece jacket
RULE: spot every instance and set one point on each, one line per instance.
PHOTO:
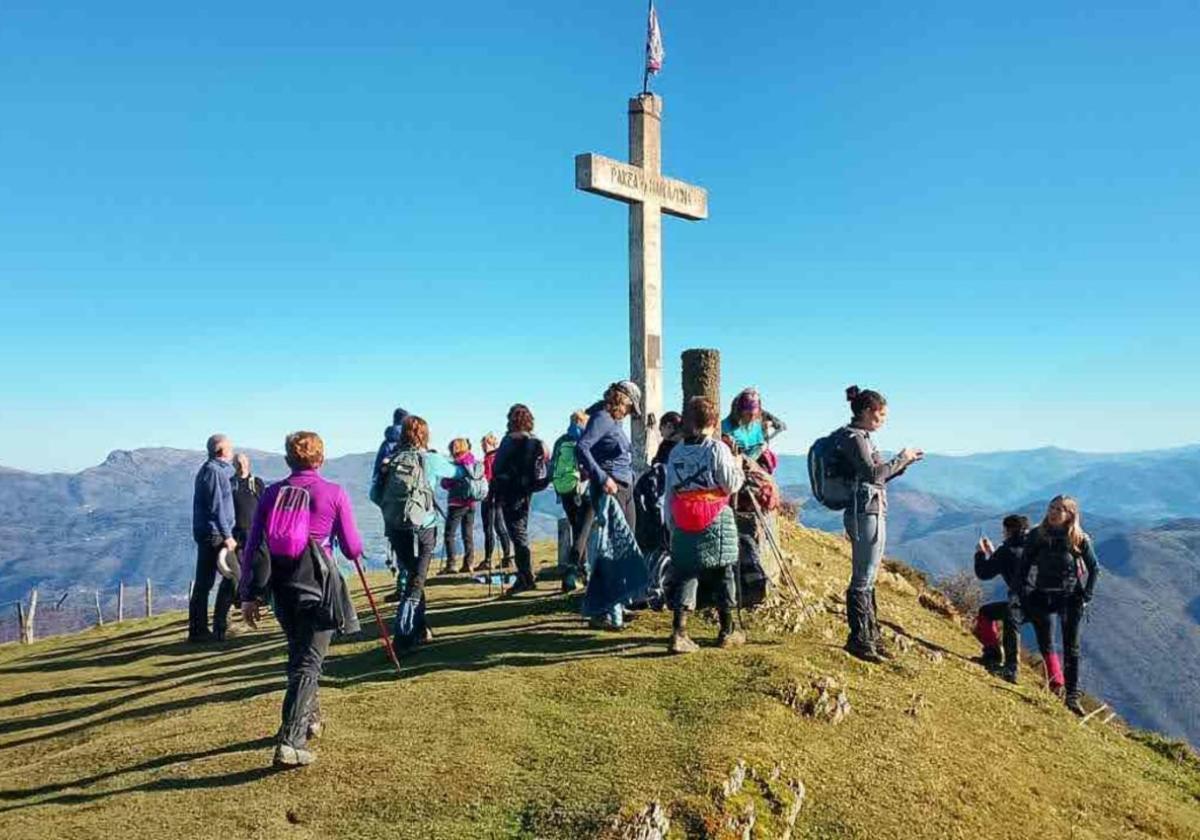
(212, 501)
(605, 449)
(391, 442)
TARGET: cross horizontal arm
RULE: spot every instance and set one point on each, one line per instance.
(633, 184)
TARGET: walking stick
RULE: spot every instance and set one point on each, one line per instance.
(766, 526)
(383, 637)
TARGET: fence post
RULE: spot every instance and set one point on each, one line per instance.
(29, 632)
(21, 623)
(149, 608)
(120, 602)
(99, 612)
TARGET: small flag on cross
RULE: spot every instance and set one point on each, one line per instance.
(654, 44)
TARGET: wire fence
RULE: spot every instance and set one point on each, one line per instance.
(44, 613)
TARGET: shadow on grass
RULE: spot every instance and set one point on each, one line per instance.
(173, 784)
(145, 766)
(179, 648)
(252, 681)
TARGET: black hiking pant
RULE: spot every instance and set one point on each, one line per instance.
(306, 647)
(493, 529)
(516, 520)
(206, 574)
(579, 512)
(460, 519)
(1040, 609)
(414, 551)
(1003, 612)
(623, 498)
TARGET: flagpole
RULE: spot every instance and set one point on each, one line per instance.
(645, 59)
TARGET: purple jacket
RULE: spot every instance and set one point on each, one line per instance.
(331, 517)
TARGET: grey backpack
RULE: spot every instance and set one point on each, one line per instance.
(407, 497)
(833, 481)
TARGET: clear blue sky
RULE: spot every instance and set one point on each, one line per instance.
(260, 217)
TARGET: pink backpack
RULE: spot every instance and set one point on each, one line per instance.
(288, 522)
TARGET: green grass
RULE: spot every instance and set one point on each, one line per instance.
(520, 722)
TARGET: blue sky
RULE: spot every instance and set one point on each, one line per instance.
(300, 215)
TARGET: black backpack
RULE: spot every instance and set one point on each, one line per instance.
(1053, 566)
(832, 480)
(650, 528)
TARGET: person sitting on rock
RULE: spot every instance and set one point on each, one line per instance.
(702, 474)
(1004, 562)
(753, 428)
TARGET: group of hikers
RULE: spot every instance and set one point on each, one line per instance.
(687, 532)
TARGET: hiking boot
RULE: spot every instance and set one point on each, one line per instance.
(605, 623)
(991, 658)
(519, 587)
(286, 756)
(507, 562)
(569, 582)
(447, 570)
(201, 638)
(680, 644)
(1075, 706)
(865, 652)
(484, 566)
(732, 639)
(1009, 675)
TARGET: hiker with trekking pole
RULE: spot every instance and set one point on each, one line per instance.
(1059, 572)
(411, 520)
(701, 476)
(847, 473)
(289, 558)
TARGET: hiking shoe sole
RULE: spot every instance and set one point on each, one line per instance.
(680, 645)
(865, 654)
(735, 639)
(286, 756)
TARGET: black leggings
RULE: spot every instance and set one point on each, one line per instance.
(1040, 610)
(460, 519)
(516, 520)
(493, 528)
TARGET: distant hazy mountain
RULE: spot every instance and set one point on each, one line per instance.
(129, 519)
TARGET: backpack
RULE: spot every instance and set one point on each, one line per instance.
(566, 477)
(1056, 568)
(833, 483)
(473, 486)
(524, 475)
(761, 486)
(288, 523)
(405, 497)
(650, 522)
(295, 557)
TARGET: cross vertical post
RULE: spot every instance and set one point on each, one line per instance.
(641, 184)
(645, 277)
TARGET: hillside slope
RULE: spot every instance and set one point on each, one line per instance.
(518, 721)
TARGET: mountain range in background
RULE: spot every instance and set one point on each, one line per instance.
(128, 519)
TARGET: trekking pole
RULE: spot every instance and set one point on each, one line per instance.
(383, 637)
(783, 565)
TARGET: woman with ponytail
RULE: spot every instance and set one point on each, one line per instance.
(866, 517)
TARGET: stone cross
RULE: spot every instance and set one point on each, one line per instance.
(641, 184)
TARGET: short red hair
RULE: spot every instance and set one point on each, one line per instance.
(305, 450)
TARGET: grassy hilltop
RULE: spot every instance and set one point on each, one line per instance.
(520, 722)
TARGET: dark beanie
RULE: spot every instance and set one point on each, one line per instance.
(398, 416)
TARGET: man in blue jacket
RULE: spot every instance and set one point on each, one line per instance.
(212, 528)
